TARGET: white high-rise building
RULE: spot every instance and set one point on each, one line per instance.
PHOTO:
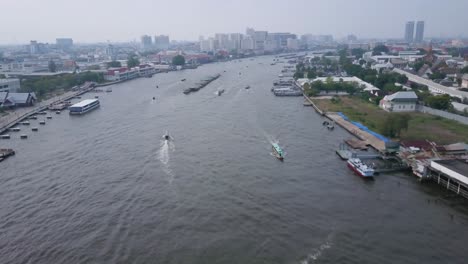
(223, 40)
(247, 43)
(409, 31)
(235, 40)
(419, 37)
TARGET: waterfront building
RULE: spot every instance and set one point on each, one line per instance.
(223, 40)
(121, 74)
(64, 43)
(235, 41)
(399, 102)
(259, 39)
(409, 31)
(419, 37)
(281, 38)
(9, 85)
(451, 173)
(8, 99)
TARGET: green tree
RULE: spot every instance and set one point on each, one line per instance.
(2, 76)
(178, 60)
(133, 61)
(114, 64)
(394, 124)
(379, 49)
(441, 102)
(358, 53)
(52, 66)
(464, 70)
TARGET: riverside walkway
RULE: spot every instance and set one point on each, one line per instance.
(19, 114)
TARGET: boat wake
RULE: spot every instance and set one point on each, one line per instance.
(317, 252)
(164, 157)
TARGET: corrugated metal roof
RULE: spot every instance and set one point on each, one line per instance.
(402, 96)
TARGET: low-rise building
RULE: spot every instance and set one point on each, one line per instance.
(9, 85)
(399, 102)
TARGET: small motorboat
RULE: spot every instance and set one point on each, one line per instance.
(48, 117)
(33, 117)
(26, 123)
(247, 87)
(5, 136)
(42, 122)
(96, 97)
(157, 86)
(109, 90)
(154, 98)
(24, 136)
(15, 129)
(167, 137)
(277, 151)
(35, 129)
(183, 80)
(57, 112)
(220, 92)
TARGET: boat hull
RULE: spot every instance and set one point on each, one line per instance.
(358, 172)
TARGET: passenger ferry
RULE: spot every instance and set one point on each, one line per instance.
(360, 168)
(277, 151)
(84, 106)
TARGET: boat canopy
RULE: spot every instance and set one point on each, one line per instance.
(278, 149)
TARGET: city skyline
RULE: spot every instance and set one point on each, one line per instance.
(47, 20)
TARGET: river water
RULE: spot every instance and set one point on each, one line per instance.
(105, 187)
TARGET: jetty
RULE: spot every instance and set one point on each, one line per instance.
(25, 113)
(201, 85)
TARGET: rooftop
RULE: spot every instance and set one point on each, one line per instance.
(84, 102)
(402, 96)
(458, 166)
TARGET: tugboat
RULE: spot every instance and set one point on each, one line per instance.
(277, 151)
(360, 168)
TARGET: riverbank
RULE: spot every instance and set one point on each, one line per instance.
(420, 126)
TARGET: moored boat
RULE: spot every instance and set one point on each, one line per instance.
(277, 151)
(360, 168)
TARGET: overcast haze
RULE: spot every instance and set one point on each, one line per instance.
(126, 20)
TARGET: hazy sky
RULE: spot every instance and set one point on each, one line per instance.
(126, 20)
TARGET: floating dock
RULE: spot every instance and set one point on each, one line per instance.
(201, 85)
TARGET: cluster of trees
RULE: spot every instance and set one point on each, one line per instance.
(464, 70)
(394, 124)
(178, 60)
(384, 81)
(46, 85)
(330, 86)
(114, 64)
(441, 102)
(379, 49)
(133, 61)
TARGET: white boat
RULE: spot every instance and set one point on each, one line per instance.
(360, 168)
(84, 106)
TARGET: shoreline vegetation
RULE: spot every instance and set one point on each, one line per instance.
(398, 126)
